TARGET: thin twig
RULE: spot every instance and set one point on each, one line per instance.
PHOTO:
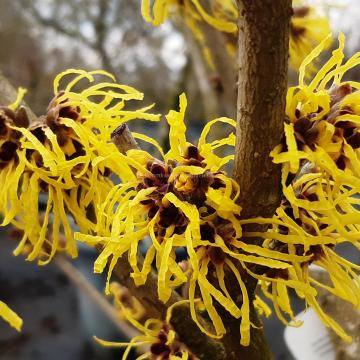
(207, 92)
(8, 95)
(224, 65)
(81, 283)
(123, 139)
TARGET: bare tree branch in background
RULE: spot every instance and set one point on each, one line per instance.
(97, 22)
(225, 76)
(101, 31)
(208, 95)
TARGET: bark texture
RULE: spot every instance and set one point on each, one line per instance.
(262, 61)
(262, 82)
(123, 139)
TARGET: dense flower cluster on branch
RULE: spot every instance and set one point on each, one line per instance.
(320, 180)
(156, 334)
(183, 201)
(66, 156)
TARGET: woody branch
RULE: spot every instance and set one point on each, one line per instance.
(263, 45)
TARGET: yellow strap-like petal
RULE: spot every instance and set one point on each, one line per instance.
(10, 316)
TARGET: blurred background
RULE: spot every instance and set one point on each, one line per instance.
(40, 38)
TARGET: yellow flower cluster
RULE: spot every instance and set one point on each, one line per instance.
(67, 158)
(124, 300)
(183, 201)
(160, 10)
(307, 28)
(154, 333)
(8, 144)
(320, 181)
(66, 155)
